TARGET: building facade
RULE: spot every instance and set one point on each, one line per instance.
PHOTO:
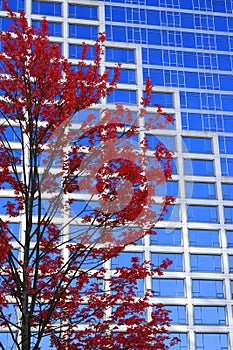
(185, 46)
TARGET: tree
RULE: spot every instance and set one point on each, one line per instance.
(54, 284)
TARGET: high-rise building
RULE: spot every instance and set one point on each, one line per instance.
(185, 47)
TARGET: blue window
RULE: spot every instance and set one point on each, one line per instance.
(82, 115)
(125, 259)
(188, 39)
(84, 12)
(230, 257)
(197, 145)
(5, 23)
(154, 56)
(167, 141)
(46, 8)
(4, 201)
(177, 260)
(191, 80)
(15, 5)
(200, 190)
(169, 188)
(89, 262)
(187, 20)
(115, 13)
(55, 29)
(154, 37)
(198, 167)
(116, 33)
(190, 59)
(127, 76)
(205, 263)
(224, 62)
(229, 235)
(226, 82)
(173, 213)
(216, 341)
(207, 289)
(83, 32)
(152, 17)
(12, 134)
(168, 287)
(6, 339)
(227, 191)
(204, 238)
(227, 166)
(166, 100)
(177, 314)
(228, 212)
(226, 145)
(123, 96)
(14, 230)
(203, 213)
(227, 101)
(78, 231)
(231, 289)
(166, 236)
(183, 344)
(120, 55)
(82, 208)
(75, 51)
(209, 315)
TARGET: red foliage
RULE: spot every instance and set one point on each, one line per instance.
(59, 283)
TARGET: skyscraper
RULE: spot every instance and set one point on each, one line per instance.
(185, 47)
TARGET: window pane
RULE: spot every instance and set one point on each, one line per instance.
(197, 145)
(209, 315)
(123, 96)
(202, 213)
(211, 341)
(168, 287)
(125, 259)
(229, 235)
(200, 190)
(169, 142)
(177, 263)
(83, 32)
(46, 8)
(205, 263)
(84, 12)
(183, 344)
(228, 212)
(119, 55)
(227, 191)
(198, 167)
(177, 314)
(207, 289)
(165, 236)
(204, 238)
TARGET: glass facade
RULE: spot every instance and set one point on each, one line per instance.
(185, 46)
